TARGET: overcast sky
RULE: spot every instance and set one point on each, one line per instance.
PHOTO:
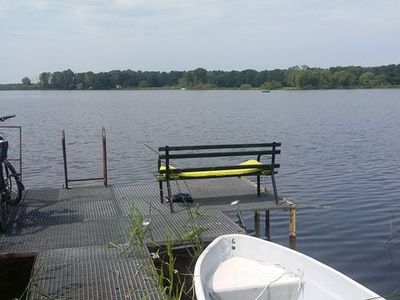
(102, 35)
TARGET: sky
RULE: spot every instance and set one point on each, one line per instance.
(163, 35)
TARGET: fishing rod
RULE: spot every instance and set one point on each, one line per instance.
(176, 181)
(152, 149)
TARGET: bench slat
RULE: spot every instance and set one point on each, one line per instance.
(223, 146)
(207, 177)
(219, 154)
(218, 168)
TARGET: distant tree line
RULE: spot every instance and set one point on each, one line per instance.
(295, 77)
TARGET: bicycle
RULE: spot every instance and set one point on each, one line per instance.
(11, 186)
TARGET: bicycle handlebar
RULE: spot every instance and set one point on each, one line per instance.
(2, 119)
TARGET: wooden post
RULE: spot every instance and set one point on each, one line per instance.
(267, 225)
(257, 223)
(64, 149)
(104, 139)
(292, 221)
(292, 244)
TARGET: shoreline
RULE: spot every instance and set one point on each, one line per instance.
(205, 89)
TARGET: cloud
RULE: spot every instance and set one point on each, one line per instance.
(130, 3)
(173, 34)
(12, 6)
(4, 7)
(40, 4)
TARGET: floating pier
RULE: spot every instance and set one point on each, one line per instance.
(77, 236)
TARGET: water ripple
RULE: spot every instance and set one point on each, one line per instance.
(340, 156)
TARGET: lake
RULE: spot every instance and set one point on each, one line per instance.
(340, 156)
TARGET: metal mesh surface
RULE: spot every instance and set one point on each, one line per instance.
(144, 198)
(178, 227)
(94, 273)
(213, 195)
(43, 236)
(71, 230)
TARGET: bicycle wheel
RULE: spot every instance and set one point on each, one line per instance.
(13, 183)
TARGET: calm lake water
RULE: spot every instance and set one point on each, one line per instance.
(340, 156)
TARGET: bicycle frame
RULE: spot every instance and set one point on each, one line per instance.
(19, 158)
(11, 186)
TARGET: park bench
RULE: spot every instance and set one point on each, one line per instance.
(253, 167)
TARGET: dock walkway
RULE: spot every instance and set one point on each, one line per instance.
(71, 231)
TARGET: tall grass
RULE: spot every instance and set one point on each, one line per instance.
(175, 260)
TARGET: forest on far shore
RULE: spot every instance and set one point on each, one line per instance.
(303, 77)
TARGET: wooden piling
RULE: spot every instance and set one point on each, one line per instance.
(292, 221)
(267, 225)
(257, 222)
(64, 150)
(104, 143)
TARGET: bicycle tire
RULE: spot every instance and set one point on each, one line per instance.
(14, 185)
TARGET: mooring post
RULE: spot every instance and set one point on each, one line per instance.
(65, 159)
(292, 221)
(292, 244)
(104, 139)
(257, 222)
(267, 225)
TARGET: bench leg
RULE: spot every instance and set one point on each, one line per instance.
(171, 204)
(274, 187)
(161, 191)
(258, 186)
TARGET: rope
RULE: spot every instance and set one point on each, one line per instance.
(267, 286)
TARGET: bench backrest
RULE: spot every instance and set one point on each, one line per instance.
(185, 152)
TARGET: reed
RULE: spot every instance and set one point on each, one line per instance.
(173, 265)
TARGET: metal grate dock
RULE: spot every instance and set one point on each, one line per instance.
(71, 231)
(210, 195)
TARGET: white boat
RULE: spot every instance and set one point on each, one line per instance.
(240, 267)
